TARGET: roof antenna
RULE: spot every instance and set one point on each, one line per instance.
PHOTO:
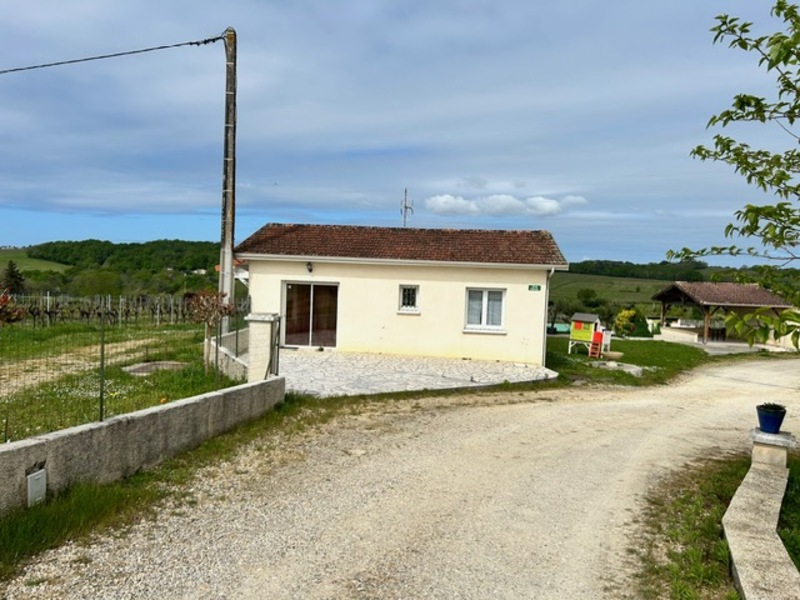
(406, 208)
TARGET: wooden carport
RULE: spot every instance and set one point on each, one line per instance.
(711, 297)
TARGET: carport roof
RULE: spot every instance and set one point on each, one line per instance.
(722, 294)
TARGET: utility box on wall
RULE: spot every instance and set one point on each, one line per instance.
(37, 487)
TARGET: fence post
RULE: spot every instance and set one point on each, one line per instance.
(102, 365)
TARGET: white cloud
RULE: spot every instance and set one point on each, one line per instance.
(541, 206)
(501, 205)
(445, 204)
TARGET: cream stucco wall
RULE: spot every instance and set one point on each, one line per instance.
(369, 319)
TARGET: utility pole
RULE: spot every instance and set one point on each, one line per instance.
(228, 176)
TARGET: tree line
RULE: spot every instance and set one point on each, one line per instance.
(101, 267)
(690, 270)
(154, 256)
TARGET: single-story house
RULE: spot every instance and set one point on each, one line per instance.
(459, 293)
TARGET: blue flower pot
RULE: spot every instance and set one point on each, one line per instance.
(770, 421)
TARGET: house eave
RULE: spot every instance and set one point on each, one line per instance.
(253, 256)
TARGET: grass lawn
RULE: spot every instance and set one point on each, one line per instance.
(661, 361)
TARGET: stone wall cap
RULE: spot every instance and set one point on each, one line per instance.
(784, 439)
(263, 317)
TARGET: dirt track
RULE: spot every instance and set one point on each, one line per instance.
(530, 495)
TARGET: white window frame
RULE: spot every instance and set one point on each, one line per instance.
(483, 326)
(408, 310)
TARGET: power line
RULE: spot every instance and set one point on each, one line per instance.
(115, 55)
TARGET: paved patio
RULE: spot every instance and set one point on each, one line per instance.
(332, 373)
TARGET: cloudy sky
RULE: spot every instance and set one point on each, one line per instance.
(575, 117)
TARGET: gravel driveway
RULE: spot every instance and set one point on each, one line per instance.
(523, 495)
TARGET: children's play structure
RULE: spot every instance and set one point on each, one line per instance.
(585, 330)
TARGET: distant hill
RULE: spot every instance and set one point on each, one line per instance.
(92, 267)
(664, 270)
(146, 256)
(624, 291)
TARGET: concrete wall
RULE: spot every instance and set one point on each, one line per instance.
(679, 335)
(233, 364)
(121, 446)
(369, 318)
(762, 568)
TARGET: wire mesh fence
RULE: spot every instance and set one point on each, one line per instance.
(71, 361)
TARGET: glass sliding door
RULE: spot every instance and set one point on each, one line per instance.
(323, 318)
(311, 314)
(298, 314)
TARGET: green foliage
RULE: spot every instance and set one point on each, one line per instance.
(149, 256)
(632, 323)
(623, 323)
(96, 283)
(774, 229)
(12, 281)
(589, 301)
(690, 270)
(93, 267)
(763, 323)
(588, 297)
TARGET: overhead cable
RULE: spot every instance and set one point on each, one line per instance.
(115, 55)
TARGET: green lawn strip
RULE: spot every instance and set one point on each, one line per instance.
(661, 361)
(684, 554)
(83, 509)
(789, 520)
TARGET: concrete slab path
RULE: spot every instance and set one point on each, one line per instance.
(331, 373)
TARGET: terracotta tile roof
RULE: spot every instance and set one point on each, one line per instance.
(707, 293)
(394, 243)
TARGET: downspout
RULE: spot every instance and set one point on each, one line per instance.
(546, 308)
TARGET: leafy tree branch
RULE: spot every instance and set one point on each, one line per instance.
(771, 232)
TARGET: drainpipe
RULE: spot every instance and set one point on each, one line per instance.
(546, 305)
